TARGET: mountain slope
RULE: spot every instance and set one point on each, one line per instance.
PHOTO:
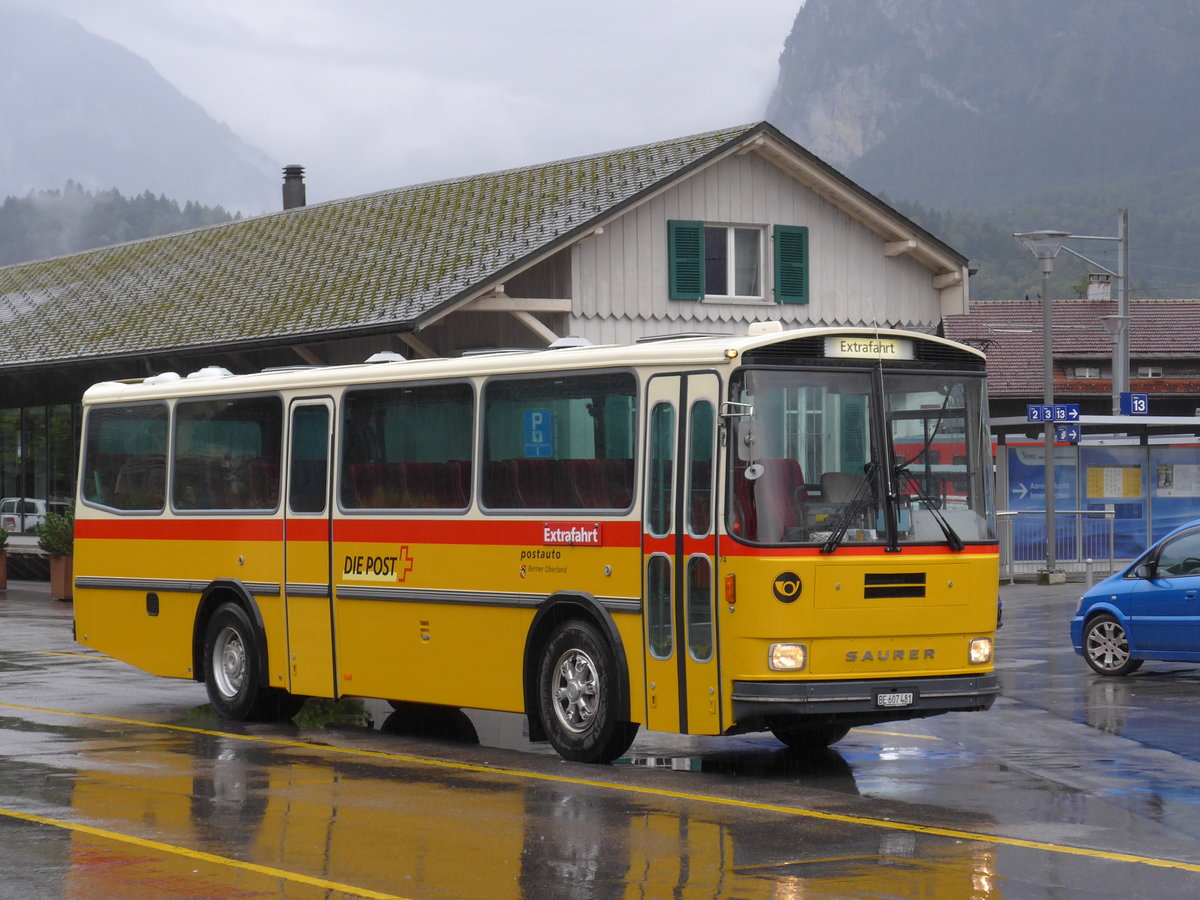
(961, 103)
(1017, 114)
(78, 107)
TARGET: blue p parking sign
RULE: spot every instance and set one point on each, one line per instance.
(539, 432)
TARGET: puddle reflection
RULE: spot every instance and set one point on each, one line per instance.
(824, 768)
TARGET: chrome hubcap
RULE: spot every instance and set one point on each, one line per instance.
(575, 690)
(229, 662)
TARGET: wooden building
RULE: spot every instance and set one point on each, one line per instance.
(702, 233)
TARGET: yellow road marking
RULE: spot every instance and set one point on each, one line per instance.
(903, 734)
(865, 821)
(197, 855)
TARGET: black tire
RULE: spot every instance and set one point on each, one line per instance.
(233, 671)
(808, 737)
(576, 696)
(1106, 647)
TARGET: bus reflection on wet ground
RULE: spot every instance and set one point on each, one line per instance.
(116, 784)
(407, 829)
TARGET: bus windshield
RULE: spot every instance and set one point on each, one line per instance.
(814, 462)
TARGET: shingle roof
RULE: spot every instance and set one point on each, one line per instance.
(1010, 332)
(325, 270)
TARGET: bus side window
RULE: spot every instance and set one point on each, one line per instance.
(125, 457)
(559, 442)
(408, 447)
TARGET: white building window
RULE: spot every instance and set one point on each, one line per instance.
(1149, 372)
(1087, 372)
(733, 263)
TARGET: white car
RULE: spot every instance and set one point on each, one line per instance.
(11, 509)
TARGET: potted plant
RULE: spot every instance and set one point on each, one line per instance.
(3, 559)
(56, 538)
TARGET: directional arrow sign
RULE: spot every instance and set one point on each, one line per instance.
(1037, 412)
(1066, 412)
(1067, 434)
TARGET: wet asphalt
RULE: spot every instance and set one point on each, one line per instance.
(117, 784)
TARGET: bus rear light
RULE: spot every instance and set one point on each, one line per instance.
(787, 657)
(981, 651)
(730, 590)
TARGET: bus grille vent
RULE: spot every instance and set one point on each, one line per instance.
(893, 585)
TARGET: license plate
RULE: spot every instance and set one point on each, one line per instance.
(894, 698)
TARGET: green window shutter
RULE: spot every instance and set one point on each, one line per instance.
(791, 264)
(685, 249)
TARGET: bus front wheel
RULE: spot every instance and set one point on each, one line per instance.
(576, 696)
(233, 671)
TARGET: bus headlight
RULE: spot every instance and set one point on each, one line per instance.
(981, 651)
(787, 657)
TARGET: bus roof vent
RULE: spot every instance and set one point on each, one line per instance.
(209, 372)
(569, 341)
(386, 356)
(162, 378)
(757, 328)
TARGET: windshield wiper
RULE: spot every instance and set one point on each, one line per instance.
(930, 504)
(852, 509)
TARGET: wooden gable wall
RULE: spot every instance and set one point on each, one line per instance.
(620, 276)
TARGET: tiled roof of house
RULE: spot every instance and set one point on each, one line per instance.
(330, 269)
(1010, 332)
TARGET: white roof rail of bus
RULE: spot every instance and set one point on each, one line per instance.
(671, 351)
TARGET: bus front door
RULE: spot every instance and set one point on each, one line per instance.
(307, 588)
(679, 555)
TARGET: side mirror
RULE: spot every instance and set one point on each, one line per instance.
(1146, 570)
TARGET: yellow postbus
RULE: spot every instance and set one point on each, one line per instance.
(789, 530)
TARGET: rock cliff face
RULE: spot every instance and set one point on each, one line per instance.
(972, 103)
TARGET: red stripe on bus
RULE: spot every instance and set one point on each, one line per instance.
(412, 531)
(494, 532)
(731, 548)
(180, 529)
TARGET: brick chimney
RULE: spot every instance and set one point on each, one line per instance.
(293, 186)
(1099, 287)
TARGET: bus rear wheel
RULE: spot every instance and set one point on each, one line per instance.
(807, 737)
(576, 696)
(233, 671)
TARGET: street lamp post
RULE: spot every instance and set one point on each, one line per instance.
(1118, 325)
(1045, 245)
(1118, 329)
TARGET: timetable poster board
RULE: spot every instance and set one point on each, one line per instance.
(1114, 482)
(1171, 480)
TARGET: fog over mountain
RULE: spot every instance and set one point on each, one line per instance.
(1014, 115)
(77, 107)
(968, 103)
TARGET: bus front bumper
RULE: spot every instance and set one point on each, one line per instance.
(865, 701)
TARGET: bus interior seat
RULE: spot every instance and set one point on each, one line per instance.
(840, 487)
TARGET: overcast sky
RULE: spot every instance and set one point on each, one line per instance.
(374, 94)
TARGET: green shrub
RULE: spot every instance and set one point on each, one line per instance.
(3, 540)
(56, 534)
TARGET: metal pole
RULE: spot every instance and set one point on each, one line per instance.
(1047, 265)
(1123, 297)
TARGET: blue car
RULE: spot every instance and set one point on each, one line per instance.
(1150, 610)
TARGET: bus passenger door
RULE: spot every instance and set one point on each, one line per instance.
(679, 555)
(307, 589)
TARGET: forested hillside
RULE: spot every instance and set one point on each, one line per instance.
(52, 223)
